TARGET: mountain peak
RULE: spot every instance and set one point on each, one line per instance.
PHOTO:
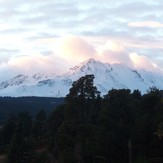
(83, 64)
(107, 76)
(91, 60)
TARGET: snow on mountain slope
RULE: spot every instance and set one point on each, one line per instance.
(107, 76)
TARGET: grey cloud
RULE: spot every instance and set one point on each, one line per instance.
(6, 54)
(47, 52)
(79, 16)
(4, 51)
(13, 31)
(42, 35)
(49, 12)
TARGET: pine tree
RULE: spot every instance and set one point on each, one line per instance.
(83, 88)
(21, 147)
(40, 126)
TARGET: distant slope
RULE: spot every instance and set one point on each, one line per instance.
(11, 105)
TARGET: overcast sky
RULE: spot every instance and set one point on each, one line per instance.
(53, 35)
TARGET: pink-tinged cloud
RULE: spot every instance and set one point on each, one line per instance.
(113, 52)
(116, 57)
(34, 64)
(114, 46)
(142, 62)
(75, 49)
(71, 51)
(150, 24)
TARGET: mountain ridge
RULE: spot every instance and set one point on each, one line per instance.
(107, 76)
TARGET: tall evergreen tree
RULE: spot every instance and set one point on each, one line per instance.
(40, 126)
(83, 89)
(8, 131)
(21, 147)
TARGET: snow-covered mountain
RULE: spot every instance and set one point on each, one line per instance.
(107, 76)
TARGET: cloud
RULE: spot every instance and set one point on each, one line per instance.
(32, 64)
(30, 27)
(60, 18)
(38, 63)
(114, 46)
(69, 51)
(75, 49)
(149, 24)
(140, 61)
(113, 52)
(116, 57)
(7, 51)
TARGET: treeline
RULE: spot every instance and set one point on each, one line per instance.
(14, 105)
(121, 127)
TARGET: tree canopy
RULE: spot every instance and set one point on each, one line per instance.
(88, 128)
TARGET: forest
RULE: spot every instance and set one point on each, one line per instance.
(14, 105)
(120, 127)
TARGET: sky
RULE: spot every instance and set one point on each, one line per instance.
(54, 35)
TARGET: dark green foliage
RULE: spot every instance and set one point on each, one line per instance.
(117, 118)
(65, 143)
(7, 132)
(159, 132)
(41, 157)
(10, 105)
(54, 122)
(83, 89)
(20, 149)
(89, 129)
(149, 117)
(81, 99)
(40, 126)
